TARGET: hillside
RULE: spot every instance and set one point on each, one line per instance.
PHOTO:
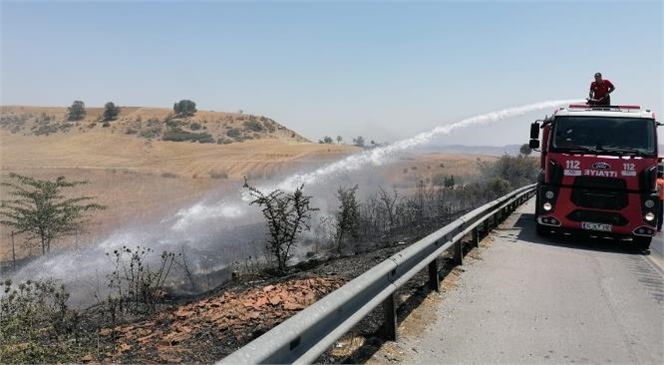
(147, 124)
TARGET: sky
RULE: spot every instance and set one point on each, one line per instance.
(382, 70)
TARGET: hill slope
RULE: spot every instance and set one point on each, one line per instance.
(147, 123)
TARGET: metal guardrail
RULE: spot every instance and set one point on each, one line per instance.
(306, 335)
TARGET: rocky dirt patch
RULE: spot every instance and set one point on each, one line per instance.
(209, 329)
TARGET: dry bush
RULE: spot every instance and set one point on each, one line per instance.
(36, 326)
(135, 288)
(286, 215)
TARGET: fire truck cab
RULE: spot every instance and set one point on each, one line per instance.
(598, 172)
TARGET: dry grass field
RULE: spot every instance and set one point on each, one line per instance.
(140, 178)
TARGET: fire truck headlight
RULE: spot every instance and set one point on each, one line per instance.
(650, 217)
(549, 194)
(649, 203)
(548, 207)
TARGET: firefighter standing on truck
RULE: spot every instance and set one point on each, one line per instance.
(600, 90)
(660, 193)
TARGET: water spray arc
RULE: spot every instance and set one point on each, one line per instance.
(380, 155)
(234, 209)
(237, 207)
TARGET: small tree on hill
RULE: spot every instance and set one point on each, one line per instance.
(111, 111)
(76, 111)
(184, 108)
(287, 216)
(40, 210)
(359, 141)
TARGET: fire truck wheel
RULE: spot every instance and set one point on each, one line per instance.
(543, 231)
(538, 205)
(643, 242)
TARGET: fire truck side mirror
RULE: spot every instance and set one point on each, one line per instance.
(534, 144)
(534, 130)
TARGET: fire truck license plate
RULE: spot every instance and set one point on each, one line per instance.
(596, 226)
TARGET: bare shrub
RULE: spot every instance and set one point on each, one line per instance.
(134, 287)
(389, 205)
(287, 215)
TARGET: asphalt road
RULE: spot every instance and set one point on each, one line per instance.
(533, 300)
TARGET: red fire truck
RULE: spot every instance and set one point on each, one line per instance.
(598, 172)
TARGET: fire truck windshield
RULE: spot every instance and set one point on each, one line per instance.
(595, 134)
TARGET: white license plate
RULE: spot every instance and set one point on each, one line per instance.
(596, 226)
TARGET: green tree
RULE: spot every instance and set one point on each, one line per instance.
(340, 139)
(39, 209)
(76, 111)
(185, 108)
(449, 182)
(359, 141)
(348, 217)
(525, 149)
(111, 111)
(517, 171)
(498, 187)
(287, 215)
(326, 140)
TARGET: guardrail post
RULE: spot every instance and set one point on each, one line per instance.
(390, 309)
(434, 279)
(458, 253)
(487, 227)
(476, 237)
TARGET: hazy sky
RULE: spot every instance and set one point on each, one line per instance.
(383, 70)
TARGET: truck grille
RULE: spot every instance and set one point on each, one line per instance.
(580, 215)
(600, 193)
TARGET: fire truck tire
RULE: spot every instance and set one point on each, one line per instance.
(643, 242)
(543, 231)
